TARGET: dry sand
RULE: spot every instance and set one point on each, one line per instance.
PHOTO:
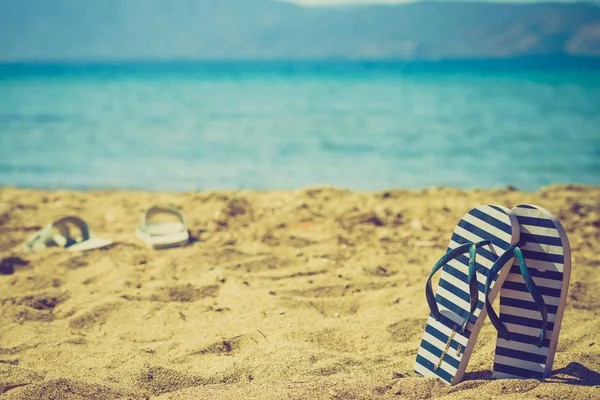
(315, 293)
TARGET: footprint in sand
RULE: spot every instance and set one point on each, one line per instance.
(42, 301)
(33, 308)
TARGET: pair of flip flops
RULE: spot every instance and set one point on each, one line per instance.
(521, 254)
(156, 234)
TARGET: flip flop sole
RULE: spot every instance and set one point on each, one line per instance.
(548, 258)
(164, 241)
(92, 243)
(444, 351)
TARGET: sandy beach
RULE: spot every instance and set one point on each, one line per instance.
(310, 294)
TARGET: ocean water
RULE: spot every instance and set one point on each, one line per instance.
(202, 126)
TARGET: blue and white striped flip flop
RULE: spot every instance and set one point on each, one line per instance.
(457, 310)
(533, 297)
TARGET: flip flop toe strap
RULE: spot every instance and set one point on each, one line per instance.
(155, 210)
(39, 240)
(46, 238)
(470, 248)
(514, 252)
(63, 227)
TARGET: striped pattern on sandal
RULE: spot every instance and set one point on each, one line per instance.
(548, 258)
(445, 350)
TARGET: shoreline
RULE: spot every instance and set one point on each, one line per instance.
(314, 292)
(508, 188)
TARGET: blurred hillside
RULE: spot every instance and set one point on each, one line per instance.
(265, 29)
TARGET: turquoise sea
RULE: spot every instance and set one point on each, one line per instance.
(364, 126)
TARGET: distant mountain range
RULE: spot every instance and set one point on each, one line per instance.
(266, 30)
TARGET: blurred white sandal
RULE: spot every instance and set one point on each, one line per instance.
(60, 234)
(163, 234)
